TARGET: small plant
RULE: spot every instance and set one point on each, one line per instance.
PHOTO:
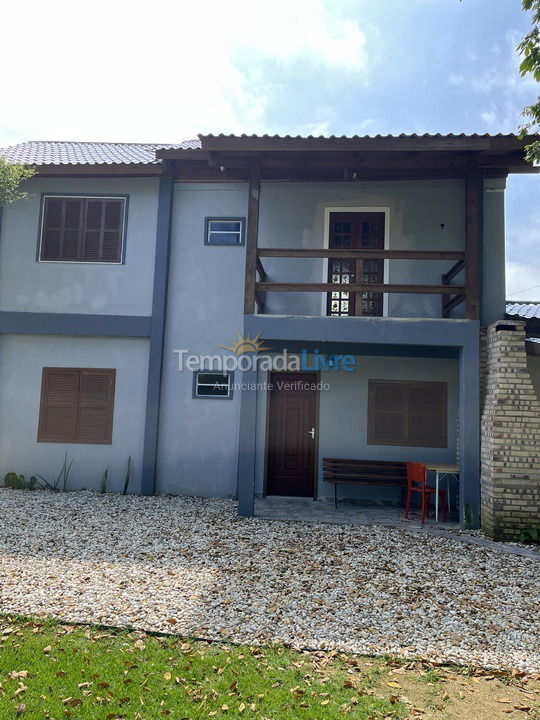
(430, 676)
(61, 482)
(468, 517)
(128, 476)
(530, 535)
(104, 481)
(18, 482)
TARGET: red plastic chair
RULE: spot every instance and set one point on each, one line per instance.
(417, 483)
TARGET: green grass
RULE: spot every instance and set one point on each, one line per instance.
(52, 671)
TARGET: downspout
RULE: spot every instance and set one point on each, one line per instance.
(157, 329)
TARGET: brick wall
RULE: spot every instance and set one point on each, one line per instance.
(510, 434)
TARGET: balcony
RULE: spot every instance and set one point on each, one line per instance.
(345, 295)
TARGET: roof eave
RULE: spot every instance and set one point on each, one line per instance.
(100, 169)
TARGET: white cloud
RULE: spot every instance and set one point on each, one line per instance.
(161, 71)
(523, 263)
(522, 281)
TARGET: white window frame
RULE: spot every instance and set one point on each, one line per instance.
(196, 384)
(326, 241)
(208, 231)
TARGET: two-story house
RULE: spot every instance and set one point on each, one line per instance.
(372, 262)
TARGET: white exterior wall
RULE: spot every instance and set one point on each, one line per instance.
(22, 358)
(97, 288)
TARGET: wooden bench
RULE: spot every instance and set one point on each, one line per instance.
(368, 473)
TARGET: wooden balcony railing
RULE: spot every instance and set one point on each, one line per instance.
(469, 261)
(452, 295)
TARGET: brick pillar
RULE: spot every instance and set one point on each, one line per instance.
(510, 436)
(483, 367)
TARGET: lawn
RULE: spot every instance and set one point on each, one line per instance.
(50, 671)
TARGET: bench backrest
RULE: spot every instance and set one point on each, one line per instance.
(363, 470)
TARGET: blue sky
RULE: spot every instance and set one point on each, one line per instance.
(164, 71)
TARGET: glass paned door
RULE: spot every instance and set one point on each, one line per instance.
(359, 231)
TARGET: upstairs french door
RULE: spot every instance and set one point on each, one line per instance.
(355, 231)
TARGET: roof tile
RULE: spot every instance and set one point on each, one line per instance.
(88, 153)
(523, 310)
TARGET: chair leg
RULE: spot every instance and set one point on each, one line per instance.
(408, 505)
(443, 507)
(423, 516)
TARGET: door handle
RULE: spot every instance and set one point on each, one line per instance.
(312, 433)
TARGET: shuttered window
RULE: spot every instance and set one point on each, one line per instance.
(407, 413)
(76, 405)
(82, 229)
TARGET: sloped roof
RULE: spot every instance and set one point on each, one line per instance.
(361, 137)
(427, 142)
(526, 311)
(45, 152)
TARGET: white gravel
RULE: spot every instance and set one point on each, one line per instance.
(190, 566)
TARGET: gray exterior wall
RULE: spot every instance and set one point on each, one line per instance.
(198, 440)
(30, 286)
(22, 358)
(493, 283)
(343, 414)
(296, 215)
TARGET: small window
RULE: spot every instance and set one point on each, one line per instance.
(407, 413)
(82, 229)
(76, 406)
(212, 385)
(224, 231)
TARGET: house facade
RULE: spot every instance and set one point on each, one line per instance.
(341, 283)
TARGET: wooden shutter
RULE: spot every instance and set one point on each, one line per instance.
(83, 229)
(59, 398)
(61, 234)
(387, 414)
(427, 415)
(407, 413)
(113, 220)
(76, 405)
(96, 398)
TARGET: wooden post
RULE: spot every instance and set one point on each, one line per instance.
(252, 234)
(474, 201)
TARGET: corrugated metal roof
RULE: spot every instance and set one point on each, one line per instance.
(527, 311)
(45, 152)
(357, 137)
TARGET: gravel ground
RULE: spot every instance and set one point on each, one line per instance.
(190, 566)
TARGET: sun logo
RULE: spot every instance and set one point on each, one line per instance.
(245, 345)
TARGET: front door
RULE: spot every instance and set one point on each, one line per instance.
(356, 231)
(292, 434)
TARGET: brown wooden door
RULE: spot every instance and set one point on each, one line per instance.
(292, 435)
(359, 231)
